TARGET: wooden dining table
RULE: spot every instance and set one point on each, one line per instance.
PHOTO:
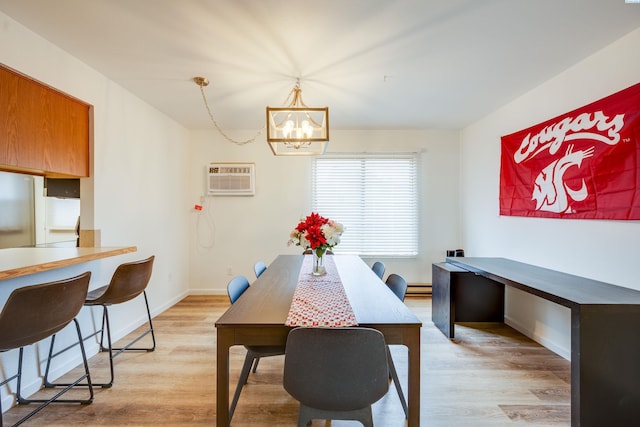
(258, 318)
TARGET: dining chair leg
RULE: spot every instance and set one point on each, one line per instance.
(396, 382)
(307, 414)
(255, 365)
(242, 380)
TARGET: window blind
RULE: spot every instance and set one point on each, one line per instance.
(375, 197)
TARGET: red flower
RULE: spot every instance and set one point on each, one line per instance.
(315, 236)
(309, 234)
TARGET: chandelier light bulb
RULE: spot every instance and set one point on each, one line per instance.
(307, 129)
(287, 129)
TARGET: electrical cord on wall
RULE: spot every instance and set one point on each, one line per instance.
(205, 224)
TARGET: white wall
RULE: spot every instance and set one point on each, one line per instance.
(136, 193)
(601, 250)
(231, 233)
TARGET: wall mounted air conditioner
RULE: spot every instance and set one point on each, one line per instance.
(231, 179)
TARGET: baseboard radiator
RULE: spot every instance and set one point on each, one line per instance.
(419, 289)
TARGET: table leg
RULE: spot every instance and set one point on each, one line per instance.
(224, 342)
(412, 341)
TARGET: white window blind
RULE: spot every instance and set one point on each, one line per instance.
(375, 197)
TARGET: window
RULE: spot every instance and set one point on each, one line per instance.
(375, 197)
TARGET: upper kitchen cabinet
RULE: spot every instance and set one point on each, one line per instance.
(42, 130)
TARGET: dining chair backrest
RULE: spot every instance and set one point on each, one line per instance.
(336, 369)
(236, 287)
(35, 312)
(378, 268)
(397, 284)
(259, 268)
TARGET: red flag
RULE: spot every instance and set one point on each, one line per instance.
(581, 165)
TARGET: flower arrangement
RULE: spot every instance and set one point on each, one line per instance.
(317, 233)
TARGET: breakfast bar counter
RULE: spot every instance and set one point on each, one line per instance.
(17, 262)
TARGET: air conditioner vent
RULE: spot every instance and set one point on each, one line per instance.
(231, 179)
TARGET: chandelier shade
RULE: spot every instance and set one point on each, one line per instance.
(297, 130)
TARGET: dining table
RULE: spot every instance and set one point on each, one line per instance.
(260, 317)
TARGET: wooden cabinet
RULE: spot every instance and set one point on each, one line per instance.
(42, 130)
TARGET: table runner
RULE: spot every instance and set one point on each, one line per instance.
(320, 300)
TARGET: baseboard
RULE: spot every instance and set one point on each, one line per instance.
(560, 350)
(207, 292)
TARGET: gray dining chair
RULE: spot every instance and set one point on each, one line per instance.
(259, 268)
(398, 286)
(235, 288)
(378, 268)
(336, 373)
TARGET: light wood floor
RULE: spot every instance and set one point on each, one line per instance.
(489, 376)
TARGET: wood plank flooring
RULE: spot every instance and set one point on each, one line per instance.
(489, 376)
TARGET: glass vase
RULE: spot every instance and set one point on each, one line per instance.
(318, 262)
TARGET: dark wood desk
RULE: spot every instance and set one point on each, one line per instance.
(259, 315)
(605, 324)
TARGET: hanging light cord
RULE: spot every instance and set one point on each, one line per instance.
(202, 82)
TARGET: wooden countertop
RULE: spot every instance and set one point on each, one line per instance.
(16, 262)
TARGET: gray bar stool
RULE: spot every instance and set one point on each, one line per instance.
(33, 313)
(128, 281)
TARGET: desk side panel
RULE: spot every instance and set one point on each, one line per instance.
(442, 310)
(605, 366)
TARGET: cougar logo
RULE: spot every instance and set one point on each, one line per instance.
(550, 191)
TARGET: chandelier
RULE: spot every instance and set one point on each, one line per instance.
(297, 130)
(294, 130)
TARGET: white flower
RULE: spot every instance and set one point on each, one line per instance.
(332, 231)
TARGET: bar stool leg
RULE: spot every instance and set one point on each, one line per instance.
(114, 352)
(55, 399)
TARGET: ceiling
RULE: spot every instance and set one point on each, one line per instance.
(377, 64)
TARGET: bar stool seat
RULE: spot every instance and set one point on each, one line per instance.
(33, 313)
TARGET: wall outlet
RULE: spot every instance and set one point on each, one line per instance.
(229, 271)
